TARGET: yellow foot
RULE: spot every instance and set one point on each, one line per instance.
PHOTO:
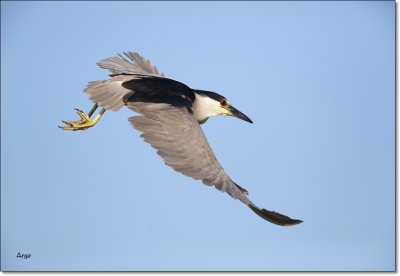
(84, 123)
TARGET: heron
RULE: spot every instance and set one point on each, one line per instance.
(170, 117)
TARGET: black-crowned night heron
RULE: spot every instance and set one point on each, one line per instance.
(170, 122)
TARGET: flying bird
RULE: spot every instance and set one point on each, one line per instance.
(171, 114)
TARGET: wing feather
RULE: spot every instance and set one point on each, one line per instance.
(180, 141)
(131, 63)
(130, 66)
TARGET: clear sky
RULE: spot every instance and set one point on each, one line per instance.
(317, 79)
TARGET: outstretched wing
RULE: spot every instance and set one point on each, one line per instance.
(180, 141)
(131, 63)
(110, 93)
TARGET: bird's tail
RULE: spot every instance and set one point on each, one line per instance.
(108, 94)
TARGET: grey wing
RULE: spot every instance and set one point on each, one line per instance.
(110, 93)
(131, 63)
(180, 141)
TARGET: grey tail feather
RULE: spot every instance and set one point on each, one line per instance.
(274, 217)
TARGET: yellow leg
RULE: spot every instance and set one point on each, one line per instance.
(81, 113)
(93, 110)
(85, 122)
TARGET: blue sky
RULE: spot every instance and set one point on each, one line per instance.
(317, 79)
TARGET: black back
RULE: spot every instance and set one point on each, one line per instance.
(160, 90)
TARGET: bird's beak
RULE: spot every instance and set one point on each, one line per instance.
(234, 112)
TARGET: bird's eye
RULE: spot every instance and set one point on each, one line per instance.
(223, 102)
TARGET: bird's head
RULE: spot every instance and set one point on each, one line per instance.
(209, 104)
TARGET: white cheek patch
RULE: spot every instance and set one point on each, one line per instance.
(205, 107)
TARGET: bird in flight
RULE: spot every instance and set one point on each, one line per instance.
(171, 114)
